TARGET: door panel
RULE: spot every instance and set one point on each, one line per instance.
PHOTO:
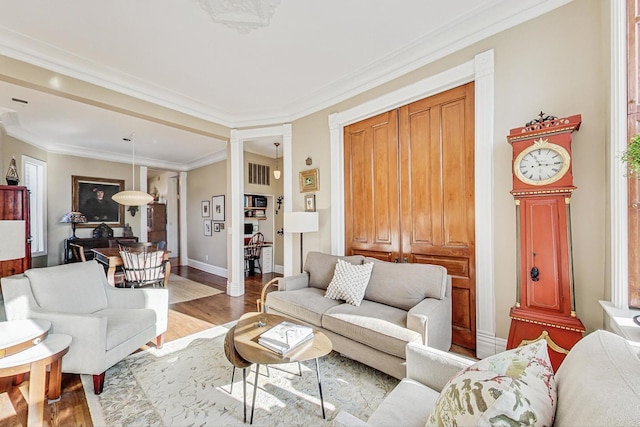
(437, 182)
(371, 187)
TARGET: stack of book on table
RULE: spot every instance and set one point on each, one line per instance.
(285, 336)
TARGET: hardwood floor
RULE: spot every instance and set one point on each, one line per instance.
(184, 319)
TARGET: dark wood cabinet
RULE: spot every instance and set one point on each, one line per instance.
(156, 222)
(90, 243)
(14, 206)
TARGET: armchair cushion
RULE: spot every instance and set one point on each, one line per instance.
(322, 266)
(69, 288)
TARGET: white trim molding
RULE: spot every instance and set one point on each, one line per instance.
(480, 70)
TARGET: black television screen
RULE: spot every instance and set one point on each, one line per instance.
(248, 228)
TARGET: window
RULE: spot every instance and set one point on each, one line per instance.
(35, 179)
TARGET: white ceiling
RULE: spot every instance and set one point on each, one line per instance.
(312, 55)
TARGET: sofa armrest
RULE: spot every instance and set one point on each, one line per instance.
(433, 367)
(291, 283)
(154, 298)
(432, 319)
(346, 419)
(18, 298)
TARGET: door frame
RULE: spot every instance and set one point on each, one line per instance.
(480, 70)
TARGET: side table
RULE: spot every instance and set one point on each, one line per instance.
(35, 360)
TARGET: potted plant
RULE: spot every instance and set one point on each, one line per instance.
(632, 156)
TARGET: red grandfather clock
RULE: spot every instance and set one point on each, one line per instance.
(542, 188)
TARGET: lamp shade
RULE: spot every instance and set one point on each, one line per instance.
(300, 222)
(132, 198)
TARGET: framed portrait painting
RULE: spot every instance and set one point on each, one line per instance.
(309, 180)
(92, 197)
(217, 209)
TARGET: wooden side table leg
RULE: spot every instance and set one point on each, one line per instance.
(37, 377)
(55, 380)
(167, 272)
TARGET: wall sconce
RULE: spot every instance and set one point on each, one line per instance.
(308, 161)
(132, 210)
(279, 202)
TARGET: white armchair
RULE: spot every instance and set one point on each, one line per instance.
(106, 323)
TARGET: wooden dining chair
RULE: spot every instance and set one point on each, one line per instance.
(253, 250)
(78, 252)
(143, 264)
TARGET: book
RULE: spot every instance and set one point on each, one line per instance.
(282, 350)
(285, 336)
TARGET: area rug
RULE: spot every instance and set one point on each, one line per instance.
(182, 289)
(187, 383)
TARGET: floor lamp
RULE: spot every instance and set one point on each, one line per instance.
(300, 222)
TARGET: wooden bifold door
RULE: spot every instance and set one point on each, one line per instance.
(409, 192)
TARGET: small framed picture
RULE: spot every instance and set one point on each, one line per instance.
(309, 181)
(207, 227)
(217, 214)
(216, 227)
(310, 203)
(206, 208)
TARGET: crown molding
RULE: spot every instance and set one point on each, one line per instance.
(11, 126)
(470, 28)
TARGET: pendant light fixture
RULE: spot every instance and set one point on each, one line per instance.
(276, 171)
(132, 197)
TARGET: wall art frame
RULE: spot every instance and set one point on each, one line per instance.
(205, 207)
(207, 227)
(309, 180)
(310, 202)
(217, 208)
(99, 208)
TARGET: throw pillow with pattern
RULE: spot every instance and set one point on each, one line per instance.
(515, 387)
(349, 282)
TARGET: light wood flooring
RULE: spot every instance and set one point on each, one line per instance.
(184, 319)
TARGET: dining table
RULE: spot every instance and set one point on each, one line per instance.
(110, 258)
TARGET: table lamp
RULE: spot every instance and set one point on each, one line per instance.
(74, 218)
(300, 222)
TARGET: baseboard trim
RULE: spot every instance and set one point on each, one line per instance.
(218, 271)
(488, 345)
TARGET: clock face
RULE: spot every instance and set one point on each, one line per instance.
(542, 163)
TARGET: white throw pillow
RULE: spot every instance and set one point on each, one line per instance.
(349, 282)
(515, 387)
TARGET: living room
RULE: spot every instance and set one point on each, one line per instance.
(561, 61)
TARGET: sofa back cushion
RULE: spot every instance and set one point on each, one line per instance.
(69, 288)
(321, 267)
(404, 285)
(599, 383)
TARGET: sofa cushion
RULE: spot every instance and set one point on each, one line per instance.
(404, 285)
(515, 387)
(349, 282)
(306, 304)
(322, 266)
(69, 288)
(376, 325)
(123, 324)
(599, 383)
(409, 401)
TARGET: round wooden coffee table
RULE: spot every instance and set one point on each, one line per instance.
(247, 332)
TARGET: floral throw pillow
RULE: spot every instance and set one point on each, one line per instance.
(349, 282)
(515, 387)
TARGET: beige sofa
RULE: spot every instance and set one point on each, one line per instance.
(106, 324)
(402, 303)
(598, 384)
